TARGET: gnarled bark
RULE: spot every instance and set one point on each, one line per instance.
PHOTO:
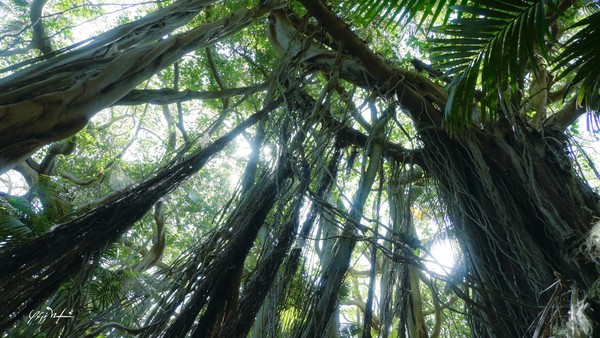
(54, 99)
(521, 211)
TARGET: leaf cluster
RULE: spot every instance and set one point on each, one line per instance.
(490, 48)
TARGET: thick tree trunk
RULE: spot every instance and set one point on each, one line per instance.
(522, 217)
(240, 321)
(336, 268)
(411, 309)
(521, 212)
(216, 286)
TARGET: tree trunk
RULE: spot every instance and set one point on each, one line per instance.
(336, 268)
(409, 283)
(522, 216)
(521, 211)
(56, 98)
(33, 271)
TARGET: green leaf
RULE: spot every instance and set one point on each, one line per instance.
(485, 12)
(512, 6)
(21, 204)
(581, 56)
(454, 56)
(492, 43)
(10, 226)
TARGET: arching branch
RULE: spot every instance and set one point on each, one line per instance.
(167, 96)
(563, 118)
(57, 102)
(40, 39)
(422, 98)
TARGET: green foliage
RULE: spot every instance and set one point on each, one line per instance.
(582, 56)
(491, 48)
(397, 13)
(351, 330)
(11, 226)
(488, 47)
(20, 219)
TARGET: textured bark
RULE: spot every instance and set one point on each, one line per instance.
(409, 286)
(521, 211)
(33, 271)
(215, 288)
(239, 322)
(56, 98)
(522, 216)
(335, 269)
(264, 324)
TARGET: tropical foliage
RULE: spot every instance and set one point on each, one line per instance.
(386, 168)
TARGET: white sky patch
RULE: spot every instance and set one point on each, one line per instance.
(444, 255)
(243, 149)
(234, 179)
(107, 20)
(13, 183)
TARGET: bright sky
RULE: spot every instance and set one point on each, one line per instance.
(444, 252)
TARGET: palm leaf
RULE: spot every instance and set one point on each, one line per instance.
(488, 46)
(18, 218)
(581, 56)
(396, 13)
(11, 227)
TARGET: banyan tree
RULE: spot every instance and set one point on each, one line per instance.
(287, 168)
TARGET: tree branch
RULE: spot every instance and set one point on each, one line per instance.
(422, 98)
(179, 123)
(566, 115)
(171, 135)
(351, 136)
(375, 321)
(40, 39)
(65, 147)
(158, 247)
(435, 73)
(78, 180)
(216, 75)
(167, 96)
(63, 109)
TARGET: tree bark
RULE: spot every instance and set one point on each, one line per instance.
(33, 271)
(56, 98)
(521, 214)
(520, 209)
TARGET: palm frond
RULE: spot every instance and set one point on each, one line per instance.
(581, 56)
(401, 12)
(489, 45)
(12, 228)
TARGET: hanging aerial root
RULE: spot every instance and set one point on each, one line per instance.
(35, 270)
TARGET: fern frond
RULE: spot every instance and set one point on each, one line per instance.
(12, 229)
